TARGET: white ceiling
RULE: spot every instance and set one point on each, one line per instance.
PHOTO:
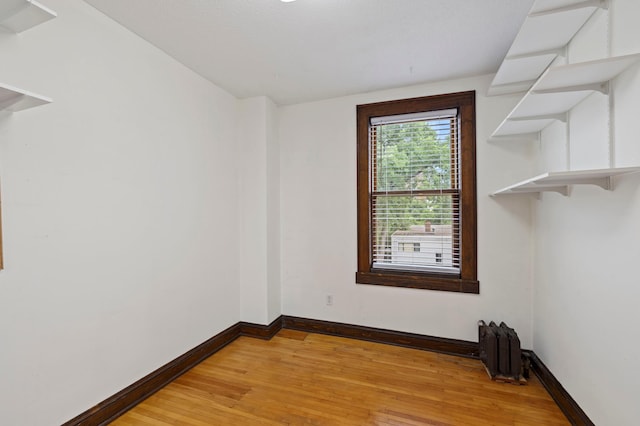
(317, 49)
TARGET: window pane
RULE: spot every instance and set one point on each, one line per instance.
(419, 232)
(413, 156)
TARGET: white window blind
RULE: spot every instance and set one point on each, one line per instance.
(415, 191)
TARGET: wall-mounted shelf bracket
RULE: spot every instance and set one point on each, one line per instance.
(604, 183)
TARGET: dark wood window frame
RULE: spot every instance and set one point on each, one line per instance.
(466, 281)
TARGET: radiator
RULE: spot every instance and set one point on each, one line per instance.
(500, 352)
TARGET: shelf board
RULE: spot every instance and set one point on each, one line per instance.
(13, 99)
(560, 181)
(545, 32)
(520, 127)
(20, 15)
(518, 75)
(558, 90)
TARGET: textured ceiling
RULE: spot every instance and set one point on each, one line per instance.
(315, 49)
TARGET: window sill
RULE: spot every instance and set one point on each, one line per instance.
(425, 282)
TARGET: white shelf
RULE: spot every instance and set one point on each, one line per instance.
(558, 90)
(13, 99)
(518, 75)
(548, 28)
(560, 181)
(20, 15)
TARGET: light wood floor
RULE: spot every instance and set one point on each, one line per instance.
(300, 378)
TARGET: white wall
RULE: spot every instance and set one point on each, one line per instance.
(586, 245)
(252, 210)
(274, 296)
(259, 207)
(123, 221)
(119, 214)
(318, 211)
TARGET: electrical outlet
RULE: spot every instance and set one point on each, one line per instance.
(329, 299)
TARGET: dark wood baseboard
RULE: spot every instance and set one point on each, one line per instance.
(567, 404)
(116, 405)
(261, 331)
(389, 337)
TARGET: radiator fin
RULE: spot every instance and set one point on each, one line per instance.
(500, 352)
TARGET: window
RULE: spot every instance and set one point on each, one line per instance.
(416, 188)
(409, 247)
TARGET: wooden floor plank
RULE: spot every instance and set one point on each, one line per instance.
(300, 378)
